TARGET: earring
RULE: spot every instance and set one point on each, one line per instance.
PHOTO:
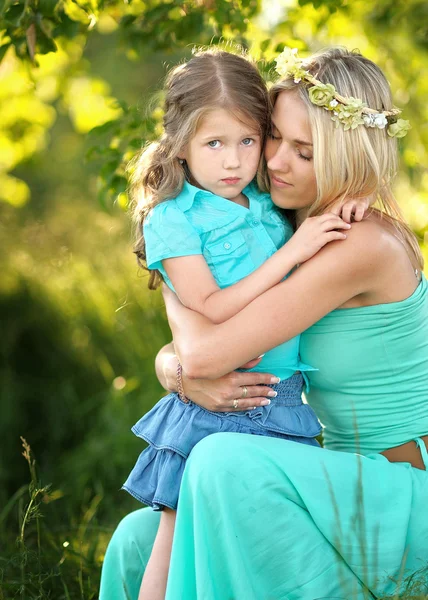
(181, 161)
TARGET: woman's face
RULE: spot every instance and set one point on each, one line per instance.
(289, 154)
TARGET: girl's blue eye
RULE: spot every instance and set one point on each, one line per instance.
(214, 143)
(248, 141)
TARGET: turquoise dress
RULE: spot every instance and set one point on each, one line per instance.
(268, 519)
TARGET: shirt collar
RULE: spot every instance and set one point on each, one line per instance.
(189, 192)
(187, 196)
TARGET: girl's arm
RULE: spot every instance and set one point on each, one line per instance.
(339, 272)
(197, 289)
(353, 209)
(166, 363)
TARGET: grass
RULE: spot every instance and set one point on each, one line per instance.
(45, 562)
(63, 562)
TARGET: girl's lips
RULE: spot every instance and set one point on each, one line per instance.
(279, 182)
(231, 180)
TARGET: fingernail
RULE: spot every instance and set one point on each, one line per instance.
(272, 394)
(275, 380)
(261, 356)
(264, 402)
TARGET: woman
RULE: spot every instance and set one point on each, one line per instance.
(262, 518)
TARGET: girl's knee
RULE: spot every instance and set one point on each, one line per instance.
(138, 529)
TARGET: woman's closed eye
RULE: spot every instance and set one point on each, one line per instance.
(274, 134)
(302, 156)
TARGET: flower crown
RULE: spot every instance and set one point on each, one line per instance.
(349, 112)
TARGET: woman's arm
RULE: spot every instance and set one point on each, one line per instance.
(217, 395)
(339, 272)
(197, 289)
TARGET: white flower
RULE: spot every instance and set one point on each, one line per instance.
(297, 80)
(368, 122)
(380, 121)
(334, 103)
(287, 61)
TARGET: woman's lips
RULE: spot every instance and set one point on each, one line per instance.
(231, 180)
(278, 182)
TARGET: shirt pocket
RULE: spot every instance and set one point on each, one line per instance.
(229, 258)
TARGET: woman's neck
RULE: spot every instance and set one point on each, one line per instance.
(301, 215)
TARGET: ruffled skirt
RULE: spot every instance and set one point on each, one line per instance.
(172, 428)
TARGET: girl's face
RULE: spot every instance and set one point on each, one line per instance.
(224, 154)
(289, 154)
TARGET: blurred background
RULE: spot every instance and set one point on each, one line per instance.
(80, 85)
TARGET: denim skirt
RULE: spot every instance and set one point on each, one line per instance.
(172, 428)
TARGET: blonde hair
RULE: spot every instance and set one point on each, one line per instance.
(211, 79)
(360, 162)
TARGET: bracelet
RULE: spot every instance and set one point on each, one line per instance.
(180, 389)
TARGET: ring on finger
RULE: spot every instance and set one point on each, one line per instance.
(235, 403)
(244, 393)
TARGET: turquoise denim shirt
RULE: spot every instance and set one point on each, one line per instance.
(234, 241)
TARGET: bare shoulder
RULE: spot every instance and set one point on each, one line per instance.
(373, 238)
(363, 269)
(369, 244)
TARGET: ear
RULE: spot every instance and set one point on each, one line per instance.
(182, 155)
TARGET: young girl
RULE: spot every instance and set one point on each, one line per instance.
(219, 242)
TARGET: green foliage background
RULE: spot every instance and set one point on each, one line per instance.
(79, 329)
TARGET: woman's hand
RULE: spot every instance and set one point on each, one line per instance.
(233, 392)
(248, 389)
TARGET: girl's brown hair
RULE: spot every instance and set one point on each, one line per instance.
(211, 79)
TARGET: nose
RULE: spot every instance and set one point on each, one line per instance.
(280, 161)
(231, 159)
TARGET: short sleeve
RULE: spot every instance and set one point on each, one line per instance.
(168, 234)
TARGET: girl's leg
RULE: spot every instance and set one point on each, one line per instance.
(128, 554)
(153, 586)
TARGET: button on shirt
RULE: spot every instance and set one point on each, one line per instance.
(234, 241)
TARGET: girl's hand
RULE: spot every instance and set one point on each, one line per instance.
(313, 234)
(220, 395)
(352, 209)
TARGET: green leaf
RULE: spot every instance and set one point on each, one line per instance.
(118, 185)
(264, 45)
(14, 15)
(47, 7)
(107, 127)
(4, 49)
(127, 20)
(108, 170)
(45, 42)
